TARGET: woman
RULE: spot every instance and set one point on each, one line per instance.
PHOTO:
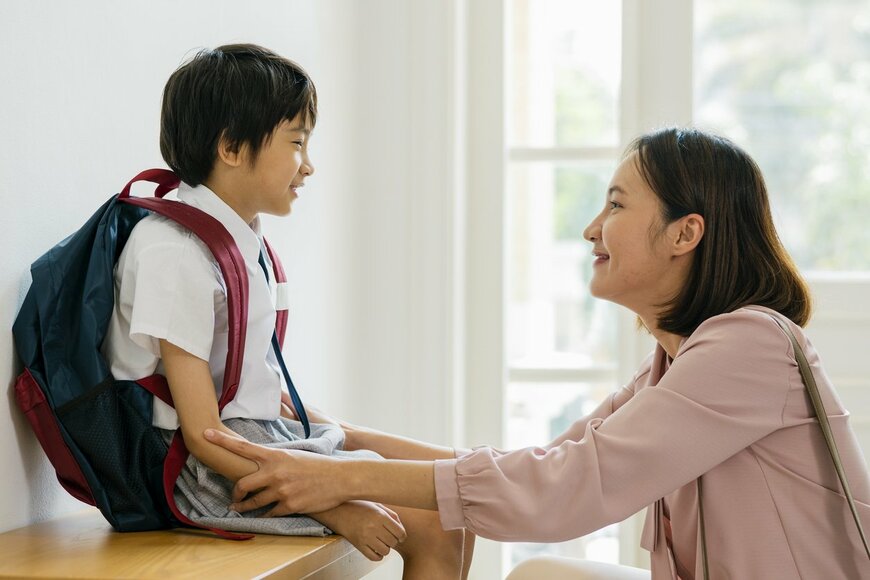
(686, 241)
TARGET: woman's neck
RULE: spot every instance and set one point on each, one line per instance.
(669, 341)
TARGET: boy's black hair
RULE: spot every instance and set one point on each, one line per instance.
(239, 91)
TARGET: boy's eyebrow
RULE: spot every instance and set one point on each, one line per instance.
(299, 129)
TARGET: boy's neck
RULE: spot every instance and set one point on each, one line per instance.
(227, 193)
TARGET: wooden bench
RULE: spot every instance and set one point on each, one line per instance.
(83, 545)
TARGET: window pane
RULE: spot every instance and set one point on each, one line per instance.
(540, 412)
(552, 319)
(790, 82)
(565, 66)
(537, 414)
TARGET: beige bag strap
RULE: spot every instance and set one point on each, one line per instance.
(822, 415)
(703, 533)
(819, 408)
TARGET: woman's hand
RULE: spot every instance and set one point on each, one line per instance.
(295, 481)
(371, 527)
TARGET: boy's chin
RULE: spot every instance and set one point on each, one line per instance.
(279, 211)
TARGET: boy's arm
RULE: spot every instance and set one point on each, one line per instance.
(193, 393)
(392, 446)
(356, 437)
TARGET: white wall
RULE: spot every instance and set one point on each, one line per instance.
(367, 248)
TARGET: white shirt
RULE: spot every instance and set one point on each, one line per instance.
(168, 286)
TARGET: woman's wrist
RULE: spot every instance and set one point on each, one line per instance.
(351, 477)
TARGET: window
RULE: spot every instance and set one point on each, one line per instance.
(790, 82)
(563, 146)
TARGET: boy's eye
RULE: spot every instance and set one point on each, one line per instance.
(298, 143)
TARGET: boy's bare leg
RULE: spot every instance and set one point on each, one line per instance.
(467, 552)
(429, 552)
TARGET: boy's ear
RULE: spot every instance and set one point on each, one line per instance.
(231, 154)
(688, 232)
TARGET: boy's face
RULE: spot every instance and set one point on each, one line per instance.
(281, 167)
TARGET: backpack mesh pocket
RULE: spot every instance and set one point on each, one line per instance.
(111, 425)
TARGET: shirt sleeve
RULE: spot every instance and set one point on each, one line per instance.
(170, 291)
(726, 389)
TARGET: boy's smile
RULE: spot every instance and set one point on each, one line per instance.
(271, 183)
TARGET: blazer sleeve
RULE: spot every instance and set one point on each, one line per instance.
(726, 389)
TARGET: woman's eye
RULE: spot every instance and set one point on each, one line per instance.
(613, 204)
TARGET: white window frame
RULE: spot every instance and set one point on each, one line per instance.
(487, 157)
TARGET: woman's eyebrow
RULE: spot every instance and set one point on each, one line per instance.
(616, 189)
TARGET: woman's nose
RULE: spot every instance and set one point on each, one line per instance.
(592, 233)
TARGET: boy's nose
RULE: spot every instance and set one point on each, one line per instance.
(307, 168)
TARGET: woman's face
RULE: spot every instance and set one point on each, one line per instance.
(634, 252)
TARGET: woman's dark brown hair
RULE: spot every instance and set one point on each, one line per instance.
(740, 260)
(239, 91)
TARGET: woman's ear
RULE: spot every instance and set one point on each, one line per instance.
(688, 232)
(231, 154)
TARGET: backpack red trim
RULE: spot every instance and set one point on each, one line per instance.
(31, 400)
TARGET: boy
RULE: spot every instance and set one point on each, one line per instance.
(235, 125)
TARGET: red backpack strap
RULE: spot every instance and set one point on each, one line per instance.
(222, 246)
(166, 181)
(175, 460)
(157, 386)
(280, 278)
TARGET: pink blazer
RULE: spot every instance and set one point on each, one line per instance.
(730, 408)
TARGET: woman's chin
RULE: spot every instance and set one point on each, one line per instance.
(595, 290)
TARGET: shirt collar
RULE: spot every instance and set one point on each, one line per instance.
(246, 236)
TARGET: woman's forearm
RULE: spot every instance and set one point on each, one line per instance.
(301, 482)
(395, 482)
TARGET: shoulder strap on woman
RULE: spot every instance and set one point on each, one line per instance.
(822, 415)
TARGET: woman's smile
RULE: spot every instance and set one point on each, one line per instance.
(600, 258)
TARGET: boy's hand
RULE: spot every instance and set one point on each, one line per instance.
(371, 527)
(315, 415)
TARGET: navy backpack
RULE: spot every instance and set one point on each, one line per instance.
(97, 431)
